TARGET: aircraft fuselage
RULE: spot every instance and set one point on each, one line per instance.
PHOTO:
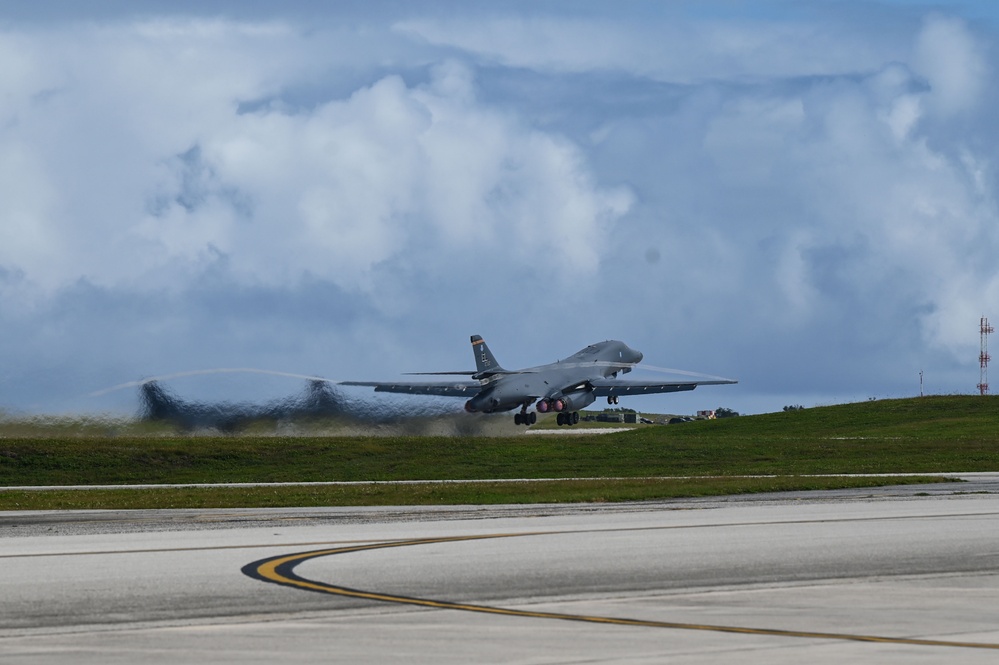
(560, 386)
(565, 386)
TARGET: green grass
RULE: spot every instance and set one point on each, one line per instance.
(906, 435)
(433, 493)
(912, 436)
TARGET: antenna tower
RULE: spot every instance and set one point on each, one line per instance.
(983, 356)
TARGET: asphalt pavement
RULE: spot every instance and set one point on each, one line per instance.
(906, 574)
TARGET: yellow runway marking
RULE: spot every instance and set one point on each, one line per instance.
(280, 570)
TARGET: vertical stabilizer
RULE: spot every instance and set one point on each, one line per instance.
(485, 361)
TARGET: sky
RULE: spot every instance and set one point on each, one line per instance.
(798, 195)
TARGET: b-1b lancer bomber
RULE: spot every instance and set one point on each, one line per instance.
(565, 386)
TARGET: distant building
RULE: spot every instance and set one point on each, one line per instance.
(709, 415)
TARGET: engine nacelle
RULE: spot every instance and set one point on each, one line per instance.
(574, 401)
(544, 406)
(484, 403)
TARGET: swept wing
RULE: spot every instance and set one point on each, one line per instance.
(565, 386)
(619, 388)
(601, 387)
(441, 388)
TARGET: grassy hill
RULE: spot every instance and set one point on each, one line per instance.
(954, 417)
(944, 433)
(931, 434)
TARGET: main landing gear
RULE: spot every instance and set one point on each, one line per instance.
(524, 418)
(562, 418)
(612, 399)
(565, 418)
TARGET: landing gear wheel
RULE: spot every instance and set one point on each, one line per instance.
(533, 418)
(575, 417)
(560, 419)
(518, 419)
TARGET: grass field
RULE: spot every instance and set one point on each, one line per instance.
(430, 493)
(911, 436)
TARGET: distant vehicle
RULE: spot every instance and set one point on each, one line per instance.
(565, 386)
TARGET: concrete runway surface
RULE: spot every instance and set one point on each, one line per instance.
(906, 575)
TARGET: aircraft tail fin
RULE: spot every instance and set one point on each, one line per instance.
(157, 403)
(485, 361)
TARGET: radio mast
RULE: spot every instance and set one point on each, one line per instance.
(983, 356)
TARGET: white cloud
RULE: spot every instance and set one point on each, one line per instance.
(331, 191)
(951, 59)
(341, 189)
(842, 203)
(663, 48)
(102, 108)
(727, 194)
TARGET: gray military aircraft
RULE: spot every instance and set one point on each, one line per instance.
(565, 386)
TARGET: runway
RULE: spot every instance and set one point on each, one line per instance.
(889, 575)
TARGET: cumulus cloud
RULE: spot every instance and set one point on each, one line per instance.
(340, 189)
(87, 134)
(742, 195)
(174, 173)
(880, 216)
(840, 214)
(143, 157)
(951, 59)
(664, 46)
